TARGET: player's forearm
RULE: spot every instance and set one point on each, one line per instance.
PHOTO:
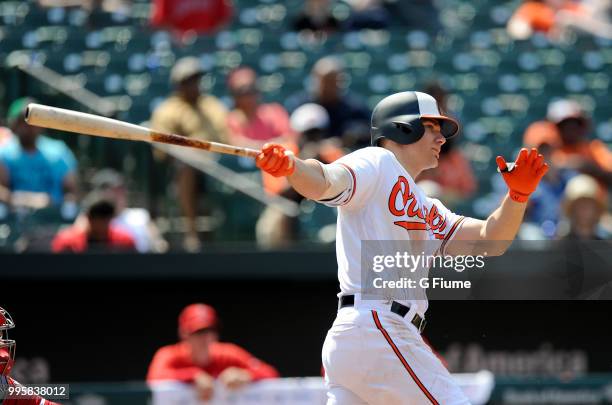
(504, 223)
(308, 179)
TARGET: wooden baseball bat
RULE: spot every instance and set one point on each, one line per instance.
(89, 124)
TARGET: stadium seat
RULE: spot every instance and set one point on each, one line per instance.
(315, 219)
(36, 16)
(418, 39)
(603, 131)
(481, 40)
(14, 13)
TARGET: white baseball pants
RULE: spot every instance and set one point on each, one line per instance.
(374, 356)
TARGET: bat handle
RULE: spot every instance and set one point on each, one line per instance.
(193, 142)
(232, 150)
(248, 152)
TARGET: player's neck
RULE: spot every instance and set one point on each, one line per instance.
(408, 164)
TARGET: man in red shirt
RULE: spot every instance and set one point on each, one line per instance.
(7, 358)
(200, 358)
(253, 123)
(94, 231)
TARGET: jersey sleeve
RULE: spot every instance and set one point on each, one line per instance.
(363, 167)
(449, 222)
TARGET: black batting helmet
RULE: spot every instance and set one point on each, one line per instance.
(398, 117)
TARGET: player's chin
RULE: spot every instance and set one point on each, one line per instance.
(433, 163)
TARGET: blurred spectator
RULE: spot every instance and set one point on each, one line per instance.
(187, 112)
(594, 18)
(431, 188)
(35, 171)
(584, 204)
(576, 150)
(317, 17)
(552, 17)
(96, 233)
(544, 208)
(199, 358)
(535, 16)
(202, 17)
(311, 122)
(135, 221)
(349, 116)
(367, 14)
(252, 123)
(454, 173)
(5, 136)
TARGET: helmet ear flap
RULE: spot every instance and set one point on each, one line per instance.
(404, 127)
(413, 128)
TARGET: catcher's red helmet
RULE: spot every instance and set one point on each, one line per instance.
(7, 346)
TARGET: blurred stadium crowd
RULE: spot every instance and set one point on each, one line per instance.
(303, 73)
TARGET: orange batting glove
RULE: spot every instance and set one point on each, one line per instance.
(523, 177)
(276, 160)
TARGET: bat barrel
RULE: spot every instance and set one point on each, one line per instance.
(82, 123)
(89, 124)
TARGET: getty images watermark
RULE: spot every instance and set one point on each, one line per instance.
(528, 270)
(411, 264)
(419, 269)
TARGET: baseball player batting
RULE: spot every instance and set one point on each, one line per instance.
(374, 352)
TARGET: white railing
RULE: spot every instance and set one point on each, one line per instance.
(295, 391)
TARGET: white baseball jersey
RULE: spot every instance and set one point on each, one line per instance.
(381, 203)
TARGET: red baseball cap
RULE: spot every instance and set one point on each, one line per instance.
(196, 317)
